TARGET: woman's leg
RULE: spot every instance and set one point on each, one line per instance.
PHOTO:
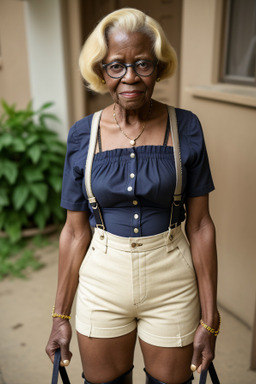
(104, 360)
(168, 365)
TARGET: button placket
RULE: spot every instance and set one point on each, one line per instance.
(132, 171)
(135, 211)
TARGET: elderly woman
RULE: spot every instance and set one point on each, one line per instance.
(137, 275)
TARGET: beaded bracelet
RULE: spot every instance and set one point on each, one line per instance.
(211, 330)
(54, 314)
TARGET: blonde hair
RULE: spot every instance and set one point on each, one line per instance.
(129, 20)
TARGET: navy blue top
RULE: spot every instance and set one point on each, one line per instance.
(134, 186)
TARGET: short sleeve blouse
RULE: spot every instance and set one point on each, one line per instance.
(134, 186)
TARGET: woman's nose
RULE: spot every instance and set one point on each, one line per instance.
(130, 75)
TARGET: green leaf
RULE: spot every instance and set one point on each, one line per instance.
(40, 191)
(29, 106)
(9, 170)
(13, 225)
(4, 200)
(50, 116)
(46, 105)
(41, 216)
(32, 174)
(56, 147)
(44, 164)
(34, 153)
(31, 139)
(30, 205)
(20, 195)
(9, 109)
(55, 182)
(2, 221)
(53, 158)
(5, 140)
(18, 145)
(59, 213)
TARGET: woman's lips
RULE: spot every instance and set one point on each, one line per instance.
(131, 94)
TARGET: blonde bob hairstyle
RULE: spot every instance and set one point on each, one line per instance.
(128, 20)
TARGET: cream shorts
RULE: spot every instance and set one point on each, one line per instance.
(147, 283)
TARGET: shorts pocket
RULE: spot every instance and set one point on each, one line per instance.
(87, 256)
(185, 253)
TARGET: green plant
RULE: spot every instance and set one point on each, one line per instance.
(16, 258)
(19, 258)
(31, 165)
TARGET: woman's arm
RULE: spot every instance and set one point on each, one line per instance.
(74, 241)
(200, 231)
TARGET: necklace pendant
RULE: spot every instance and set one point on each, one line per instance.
(132, 142)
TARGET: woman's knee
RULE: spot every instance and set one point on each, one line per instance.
(167, 365)
(105, 360)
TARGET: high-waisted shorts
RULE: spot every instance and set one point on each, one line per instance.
(148, 283)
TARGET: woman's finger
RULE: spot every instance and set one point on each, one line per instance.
(199, 369)
(66, 356)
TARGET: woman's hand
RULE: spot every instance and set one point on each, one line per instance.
(60, 338)
(204, 349)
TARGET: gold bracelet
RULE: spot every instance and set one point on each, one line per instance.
(211, 330)
(54, 314)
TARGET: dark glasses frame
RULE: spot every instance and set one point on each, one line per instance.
(126, 66)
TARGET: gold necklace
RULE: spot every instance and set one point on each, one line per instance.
(132, 141)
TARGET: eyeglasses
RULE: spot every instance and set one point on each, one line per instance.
(143, 68)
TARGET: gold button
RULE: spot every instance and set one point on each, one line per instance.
(132, 155)
(136, 216)
(129, 189)
(132, 175)
(133, 245)
(136, 230)
(135, 202)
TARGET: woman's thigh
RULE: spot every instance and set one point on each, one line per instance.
(169, 365)
(106, 359)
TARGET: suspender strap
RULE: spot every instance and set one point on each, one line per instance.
(88, 170)
(175, 208)
(167, 133)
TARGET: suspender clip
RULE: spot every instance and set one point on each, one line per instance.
(177, 199)
(101, 226)
(94, 205)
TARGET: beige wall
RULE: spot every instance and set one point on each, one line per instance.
(14, 72)
(47, 64)
(230, 133)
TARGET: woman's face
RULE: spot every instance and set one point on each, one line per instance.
(131, 91)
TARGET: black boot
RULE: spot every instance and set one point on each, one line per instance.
(152, 380)
(126, 378)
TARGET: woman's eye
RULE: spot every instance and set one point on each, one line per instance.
(116, 67)
(142, 64)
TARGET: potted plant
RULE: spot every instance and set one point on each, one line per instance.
(31, 165)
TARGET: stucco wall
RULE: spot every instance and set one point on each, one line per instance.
(14, 72)
(47, 66)
(230, 134)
